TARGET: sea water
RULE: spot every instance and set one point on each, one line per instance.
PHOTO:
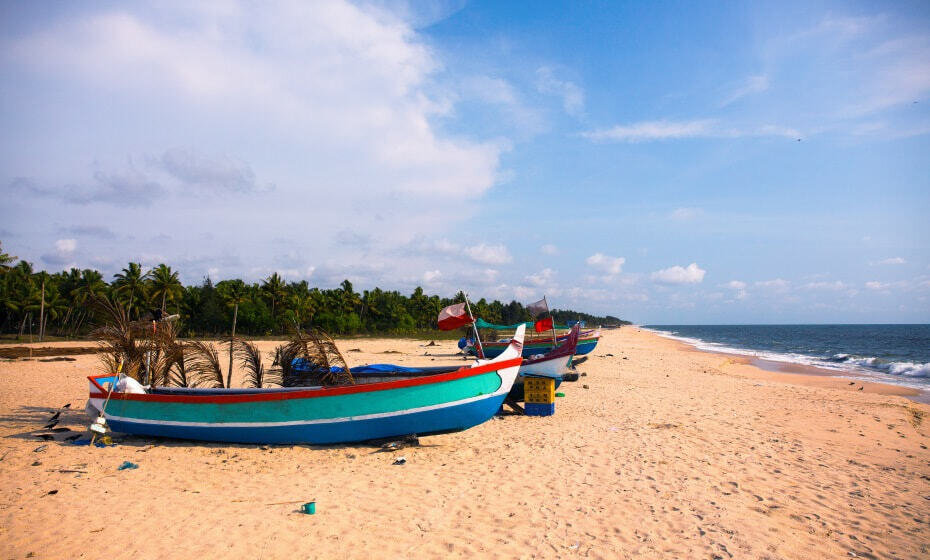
(898, 354)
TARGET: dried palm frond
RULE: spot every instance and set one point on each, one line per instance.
(118, 340)
(312, 358)
(202, 365)
(167, 368)
(251, 360)
(146, 349)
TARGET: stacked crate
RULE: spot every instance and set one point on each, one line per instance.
(539, 396)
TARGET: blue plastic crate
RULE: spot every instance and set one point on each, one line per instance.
(537, 409)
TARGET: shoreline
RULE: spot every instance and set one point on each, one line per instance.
(807, 374)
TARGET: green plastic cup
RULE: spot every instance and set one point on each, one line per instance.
(309, 508)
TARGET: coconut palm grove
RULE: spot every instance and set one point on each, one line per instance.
(41, 304)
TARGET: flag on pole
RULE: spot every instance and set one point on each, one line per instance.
(453, 317)
(543, 325)
(538, 308)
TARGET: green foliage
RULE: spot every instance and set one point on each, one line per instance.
(267, 308)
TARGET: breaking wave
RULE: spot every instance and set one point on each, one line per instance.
(910, 369)
(907, 373)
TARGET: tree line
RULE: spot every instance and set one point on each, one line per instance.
(39, 303)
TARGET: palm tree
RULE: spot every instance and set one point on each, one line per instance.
(5, 259)
(165, 285)
(233, 293)
(350, 300)
(130, 280)
(274, 289)
(89, 286)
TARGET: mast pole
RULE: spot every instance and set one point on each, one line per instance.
(477, 336)
(554, 341)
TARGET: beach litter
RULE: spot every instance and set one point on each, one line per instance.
(560, 394)
(308, 508)
(400, 461)
(408, 441)
(127, 465)
(40, 449)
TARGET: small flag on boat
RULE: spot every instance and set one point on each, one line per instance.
(543, 324)
(453, 317)
(538, 308)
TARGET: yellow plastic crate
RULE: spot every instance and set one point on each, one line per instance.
(539, 390)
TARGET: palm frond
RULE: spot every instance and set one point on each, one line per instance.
(118, 340)
(250, 358)
(202, 363)
(312, 358)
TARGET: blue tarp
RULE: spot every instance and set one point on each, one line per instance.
(378, 368)
(302, 365)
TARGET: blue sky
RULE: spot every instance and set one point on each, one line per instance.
(664, 162)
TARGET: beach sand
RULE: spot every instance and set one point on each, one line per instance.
(658, 451)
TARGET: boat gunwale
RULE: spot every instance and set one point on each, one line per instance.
(316, 392)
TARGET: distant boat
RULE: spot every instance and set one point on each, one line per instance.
(555, 364)
(535, 344)
(430, 404)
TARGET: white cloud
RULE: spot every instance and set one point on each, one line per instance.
(501, 96)
(877, 285)
(66, 245)
(572, 95)
(701, 128)
(683, 214)
(776, 284)
(431, 276)
(541, 278)
(489, 254)
(892, 260)
(740, 288)
(63, 254)
(610, 265)
(826, 286)
(352, 91)
(749, 86)
(652, 130)
(524, 292)
(549, 249)
(691, 274)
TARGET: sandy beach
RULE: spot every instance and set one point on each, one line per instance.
(659, 451)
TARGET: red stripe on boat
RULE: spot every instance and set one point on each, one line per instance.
(308, 394)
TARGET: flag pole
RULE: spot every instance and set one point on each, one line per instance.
(477, 336)
(554, 341)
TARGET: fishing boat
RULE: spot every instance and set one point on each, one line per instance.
(430, 404)
(535, 345)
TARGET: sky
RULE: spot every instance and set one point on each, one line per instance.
(664, 162)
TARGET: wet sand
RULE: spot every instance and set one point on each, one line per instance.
(658, 451)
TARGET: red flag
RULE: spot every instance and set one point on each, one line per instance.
(543, 324)
(453, 317)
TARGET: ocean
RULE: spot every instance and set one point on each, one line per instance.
(897, 354)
